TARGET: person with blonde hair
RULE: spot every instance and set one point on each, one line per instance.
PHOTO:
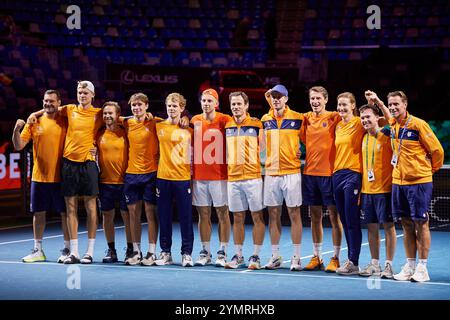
(174, 181)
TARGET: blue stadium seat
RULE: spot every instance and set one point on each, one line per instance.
(167, 59)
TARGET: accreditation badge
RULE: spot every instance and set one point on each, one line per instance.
(370, 175)
(394, 160)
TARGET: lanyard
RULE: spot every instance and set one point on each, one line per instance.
(373, 149)
(401, 138)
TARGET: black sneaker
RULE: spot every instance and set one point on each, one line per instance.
(71, 260)
(128, 254)
(111, 256)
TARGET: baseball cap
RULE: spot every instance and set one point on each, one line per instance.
(89, 85)
(211, 92)
(281, 89)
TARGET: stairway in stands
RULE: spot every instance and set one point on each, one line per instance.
(290, 18)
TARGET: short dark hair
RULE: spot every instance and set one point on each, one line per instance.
(239, 94)
(398, 93)
(374, 108)
(112, 103)
(51, 91)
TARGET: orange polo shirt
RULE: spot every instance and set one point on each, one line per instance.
(48, 145)
(348, 145)
(318, 135)
(112, 155)
(210, 147)
(175, 151)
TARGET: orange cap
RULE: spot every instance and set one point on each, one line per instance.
(212, 92)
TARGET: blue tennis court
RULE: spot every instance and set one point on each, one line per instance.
(50, 280)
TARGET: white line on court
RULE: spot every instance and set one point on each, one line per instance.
(328, 252)
(26, 225)
(57, 236)
(220, 270)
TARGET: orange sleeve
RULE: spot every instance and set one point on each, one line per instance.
(26, 135)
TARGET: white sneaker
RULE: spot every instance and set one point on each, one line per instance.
(221, 259)
(406, 273)
(203, 259)
(254, 263)
(274, 263)
(87, 259)
(134, 259)
(236, 262)
(186, 261)
(370, 270)
(388, 272)
(35, 256)
(165, 258)
(149, 259)
(296, 265)
(421, 274)
(64, 254)
(348, 269)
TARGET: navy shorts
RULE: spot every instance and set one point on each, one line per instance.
(317, 191)
(140, 187)
(411, 201)
(376, 208)
(79, 178)
(109, 195)
(46, 196)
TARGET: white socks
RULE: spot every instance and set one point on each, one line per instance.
(275, 250)
(423, 262)
(136, 247)
(238, 249)
(151, 247)
(90, 250)
(206, 246)
(411, 262)
(297, 250)
(375, 262)
(257, 249)
(317, 249)
(337, 251)
(223, 246)
(74, 248)
(38, 244)
(67, 244)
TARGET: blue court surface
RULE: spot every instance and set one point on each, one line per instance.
(50, 280)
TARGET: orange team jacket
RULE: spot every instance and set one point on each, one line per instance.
(112, 155)
(243, 149)
(376, 156)
(318, 133)
(143, 151)
(282, 141)
(175, 151)
(48, 145)
(421, 152)
(81, 132)
(348, 145)
(210, 147)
